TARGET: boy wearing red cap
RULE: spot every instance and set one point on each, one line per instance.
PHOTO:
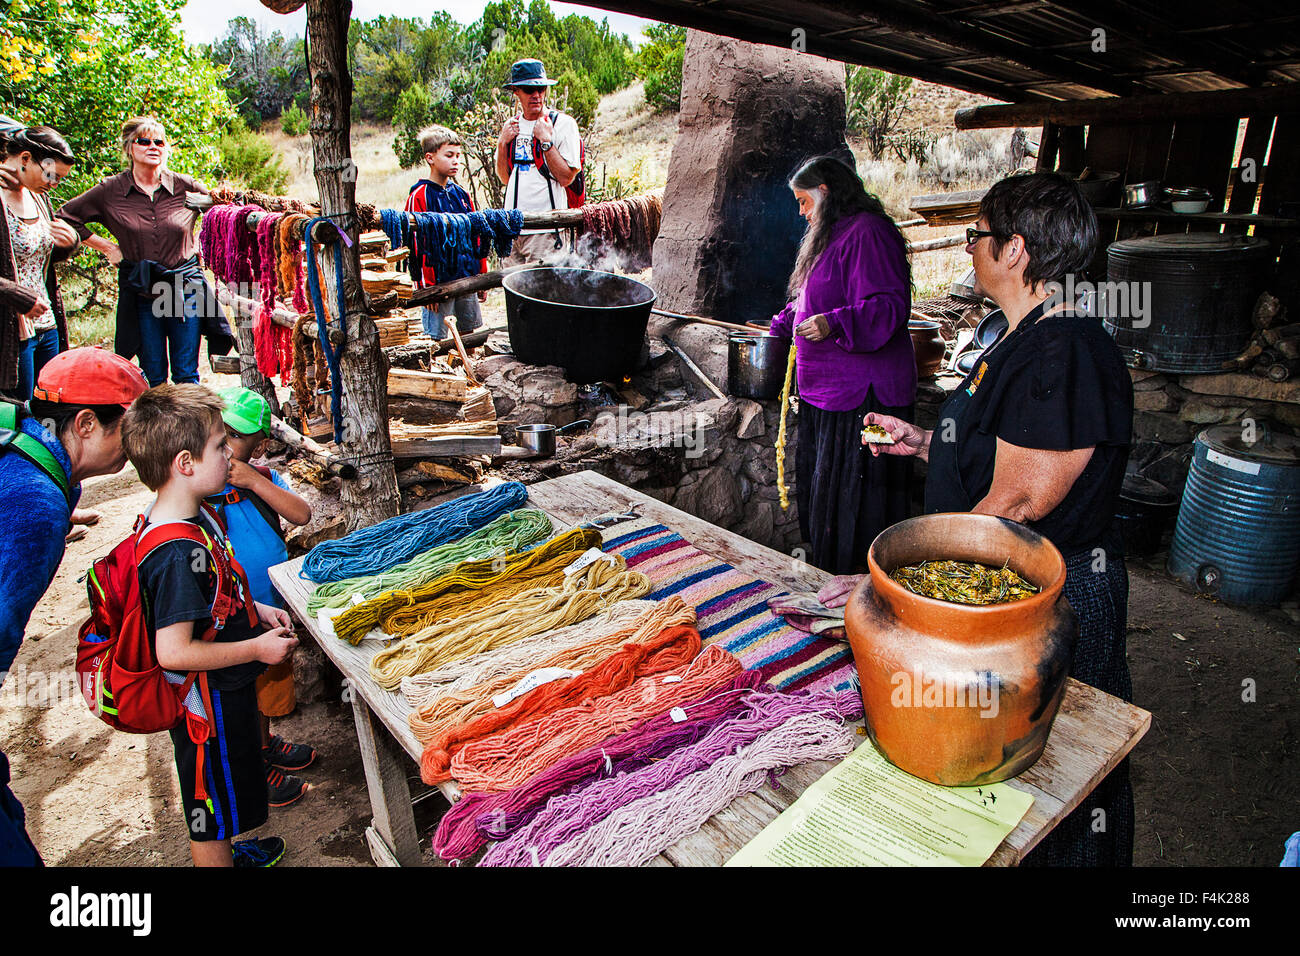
(72, 433)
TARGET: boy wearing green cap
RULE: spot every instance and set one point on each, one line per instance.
(252, 504)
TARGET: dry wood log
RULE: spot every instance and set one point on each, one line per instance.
(695, 370)
(1288, 348)
(1248, 355)
(459, 287)
(478, 406)
(373, 243)
(224, 364)
(282, 431)
(947, 209)
(1277, 333)
(447, 388)
(1267, 309)
(400, 429)
(446, 447)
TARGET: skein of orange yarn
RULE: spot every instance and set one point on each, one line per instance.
(449, 710)
(671, 648)
(508, 759)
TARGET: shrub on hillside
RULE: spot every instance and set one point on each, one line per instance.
(294, 121)
(249, 159)
(875, 102)
(659, 64)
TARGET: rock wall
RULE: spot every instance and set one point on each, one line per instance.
(750, 114)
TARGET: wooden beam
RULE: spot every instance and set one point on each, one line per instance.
(1155, 108)
(374, 495)
(446, 447)
(283, 431)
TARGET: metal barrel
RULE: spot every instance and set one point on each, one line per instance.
(1238, 531)
(1196, 291)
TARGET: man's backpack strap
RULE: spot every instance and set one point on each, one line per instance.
(12, 439)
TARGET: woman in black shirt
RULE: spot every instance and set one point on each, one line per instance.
(1039, 432)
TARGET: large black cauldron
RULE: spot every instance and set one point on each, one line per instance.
(591, 324)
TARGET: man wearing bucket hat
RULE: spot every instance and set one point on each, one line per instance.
(252, 504)
(539, 158)
(71, 433)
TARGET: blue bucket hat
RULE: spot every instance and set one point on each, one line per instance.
(528, 73)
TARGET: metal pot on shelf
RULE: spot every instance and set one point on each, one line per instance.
(756, 364)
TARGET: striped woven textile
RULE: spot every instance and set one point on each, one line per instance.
(732, 609)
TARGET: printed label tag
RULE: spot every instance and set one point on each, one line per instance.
(677, 714)
(530, 681)
(1236, 464)
(672, 678)
(587, 557)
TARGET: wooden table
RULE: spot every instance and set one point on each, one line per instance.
(1092, 733)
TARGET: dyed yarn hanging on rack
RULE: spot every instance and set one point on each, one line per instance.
(509, 532)
(292, 288)
(510, 758)
(397, 227)
(453, 243)
(424, 689)
(631, 225)
(628, 820)
(438, 716)
(478, 817)
(467, 585)
(488, 627)
(670, 649)
(327, 345)
(228, 246)
(272, 342)
(400, 538)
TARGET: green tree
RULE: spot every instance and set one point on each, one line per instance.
(876, 102)
(250, 160)
(659, 64)
(85, 66)
(265, 71)
(294, 121)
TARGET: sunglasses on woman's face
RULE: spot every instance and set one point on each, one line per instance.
(145, 141)
(974, 235)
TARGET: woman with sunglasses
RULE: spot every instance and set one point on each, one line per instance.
(851, 293)
(164, 303)
(33, 328)
(1039, 432)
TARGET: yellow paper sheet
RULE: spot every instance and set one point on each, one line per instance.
(867, 812)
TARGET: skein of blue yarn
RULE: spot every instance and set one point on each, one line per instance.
(400, 538)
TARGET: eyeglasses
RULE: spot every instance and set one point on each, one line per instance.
(975, 235)
(145, 141)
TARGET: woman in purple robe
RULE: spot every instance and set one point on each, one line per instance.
(851, 293)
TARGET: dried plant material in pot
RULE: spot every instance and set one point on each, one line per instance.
(876, 435)
(964, 582)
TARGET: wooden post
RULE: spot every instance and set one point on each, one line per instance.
(373, 496)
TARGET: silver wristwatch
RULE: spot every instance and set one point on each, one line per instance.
(545, 146)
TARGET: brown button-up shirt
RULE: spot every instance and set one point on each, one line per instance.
(161, 228)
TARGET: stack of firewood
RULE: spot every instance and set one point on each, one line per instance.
(1274, 349)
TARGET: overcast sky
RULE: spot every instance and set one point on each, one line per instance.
(205, 20)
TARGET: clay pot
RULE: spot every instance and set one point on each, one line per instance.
(961, 695)
(929, 346)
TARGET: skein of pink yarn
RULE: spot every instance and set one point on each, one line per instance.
(479, 817)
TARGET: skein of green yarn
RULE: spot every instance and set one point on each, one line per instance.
(510, 532)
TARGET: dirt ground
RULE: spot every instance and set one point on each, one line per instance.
(1214, 778)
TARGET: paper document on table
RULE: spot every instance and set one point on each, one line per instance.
(867, 812)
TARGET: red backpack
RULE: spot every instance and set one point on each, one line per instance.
(577, 190)
(117, 663)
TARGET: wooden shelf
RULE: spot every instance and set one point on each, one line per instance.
(1168, 215)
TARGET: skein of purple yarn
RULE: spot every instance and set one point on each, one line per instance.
(567, 815)
(479, 817)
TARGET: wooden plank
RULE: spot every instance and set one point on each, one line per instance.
(446, 447)
(390, 797)
(435, 385)
(380, 851)
(1156, 107)
(1254, 147)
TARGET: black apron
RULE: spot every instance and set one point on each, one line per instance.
(136, 282)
